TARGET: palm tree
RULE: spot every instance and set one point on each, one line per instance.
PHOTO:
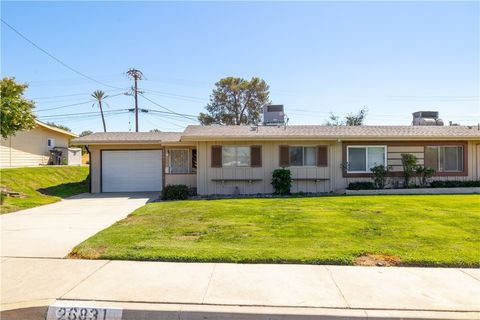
(99, 95)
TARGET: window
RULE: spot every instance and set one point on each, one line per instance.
(236, 156)
(444, 158)
(303, 156)
(194, 160)
(51, 143)
(362, 158)
(179, 161)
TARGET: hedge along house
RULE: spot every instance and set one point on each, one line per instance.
(241, 159)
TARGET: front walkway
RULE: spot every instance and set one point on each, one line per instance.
(354, 289)
(53, 230)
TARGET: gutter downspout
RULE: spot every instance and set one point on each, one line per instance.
(89, 169)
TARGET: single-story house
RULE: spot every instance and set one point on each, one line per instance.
(240, 159)
(35, 147)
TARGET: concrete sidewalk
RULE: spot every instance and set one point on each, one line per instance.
(356, 292)
(53, 230)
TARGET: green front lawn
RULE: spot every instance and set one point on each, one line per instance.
(41, 185)
(437, 230)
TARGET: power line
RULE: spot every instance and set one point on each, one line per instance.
(171, 116)
(156, 125)
(76, 104)
(55, 58)
(65, 106)
(169, 122)
(69, 95)
(165, 108)
(83, 113)
(87, 118)
(183, 115)
(90, 116)
(174, 95)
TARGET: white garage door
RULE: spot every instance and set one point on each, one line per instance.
(129, 171)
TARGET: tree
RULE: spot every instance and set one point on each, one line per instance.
(357, 119)
(236, 101)
(85, 133)
(155, 130)
(351, 119)
(409, 163)
(59, 126)
(16, 112)
(334, 120)
(99, 95)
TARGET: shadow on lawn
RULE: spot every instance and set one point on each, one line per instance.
(65, 190)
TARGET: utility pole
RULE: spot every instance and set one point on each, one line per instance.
(135, 75)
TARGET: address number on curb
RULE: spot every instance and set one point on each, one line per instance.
(82, 313)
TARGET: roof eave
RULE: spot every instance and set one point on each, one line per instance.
(324, 138)
(67, 133)
(97, 142)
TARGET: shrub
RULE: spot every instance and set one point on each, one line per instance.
(409, 163)
(424, 173)
(175, 192)
(455, 184)
(380, 173)
(282, 181)
(361, 185)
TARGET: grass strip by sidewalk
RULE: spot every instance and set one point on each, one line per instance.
(426, 230)
(41, 185)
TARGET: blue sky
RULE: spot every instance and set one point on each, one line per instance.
(395, 58)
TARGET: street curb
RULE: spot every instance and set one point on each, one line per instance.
(145, 311)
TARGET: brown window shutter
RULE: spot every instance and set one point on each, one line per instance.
(256, 156)
(216, 156)
(322, 156)
(284, 156)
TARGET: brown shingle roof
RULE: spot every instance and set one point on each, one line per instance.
(329, 132)
(199, 133)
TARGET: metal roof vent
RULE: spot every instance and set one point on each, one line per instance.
(426, 118)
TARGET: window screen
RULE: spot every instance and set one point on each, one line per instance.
(444, 158)
(296, 156)
(362, 159)
(310, 156)
(228, 157)
(451, 158)
(179, 161)
(243, 156)
(357, 159)
(236, 156)
(376, 156)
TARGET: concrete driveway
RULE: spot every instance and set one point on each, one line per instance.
(53, 230)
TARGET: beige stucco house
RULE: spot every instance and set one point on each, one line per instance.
(33, 147)
(240, 159)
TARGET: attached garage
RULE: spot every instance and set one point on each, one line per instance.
(131, 170)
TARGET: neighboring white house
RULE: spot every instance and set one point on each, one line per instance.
(34, 148)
